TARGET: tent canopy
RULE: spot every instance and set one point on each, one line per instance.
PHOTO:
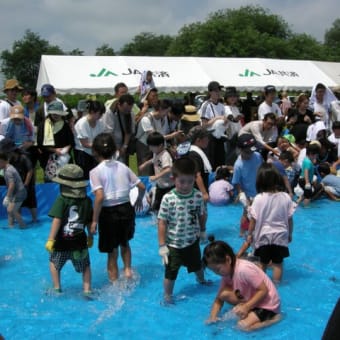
(97, 74)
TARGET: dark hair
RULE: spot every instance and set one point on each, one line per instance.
(312, 149)
(177, 109)
(270, 115)
(163, 104)
(320, 86)
(216, 252)
(104, 145)
(149, 73)
(4, 156)
(94, 106)
(287, 155)
(222, 172)
(155, 139)
(336, 125)
(119, 86)
(324, 168)
(184, 166)
(126, 98)
(33, 93)
(268, 178)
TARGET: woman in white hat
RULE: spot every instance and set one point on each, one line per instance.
(54, 138)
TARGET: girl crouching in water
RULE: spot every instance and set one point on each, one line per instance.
(244, 285)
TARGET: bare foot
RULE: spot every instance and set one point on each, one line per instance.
(128, 273)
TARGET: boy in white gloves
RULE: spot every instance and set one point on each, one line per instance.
(181, 224)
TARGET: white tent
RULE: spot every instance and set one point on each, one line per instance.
(92, 74)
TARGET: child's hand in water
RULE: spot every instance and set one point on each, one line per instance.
(241, 310)
(212, 320)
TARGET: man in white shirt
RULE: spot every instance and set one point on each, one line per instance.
(268, 105)
(211, 111)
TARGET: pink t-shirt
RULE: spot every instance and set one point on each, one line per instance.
(247, 278)
(219, 192)
(116, 180)
(271, 212)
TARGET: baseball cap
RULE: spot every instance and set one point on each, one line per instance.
(47, 90)
(269, 88)
(247, 140)
(214, 86)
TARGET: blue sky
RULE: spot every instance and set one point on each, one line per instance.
(87, 24)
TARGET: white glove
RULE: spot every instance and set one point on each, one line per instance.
(164, 252)
(308, 186)
(203, 237)
(243, 199)
(5, 202)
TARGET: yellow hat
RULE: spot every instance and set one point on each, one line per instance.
(12, 84)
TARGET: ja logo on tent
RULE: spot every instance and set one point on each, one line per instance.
(103, 73)
(248, 73)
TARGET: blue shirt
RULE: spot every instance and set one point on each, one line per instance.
(307, 165)
(332, 181)
(245, 173)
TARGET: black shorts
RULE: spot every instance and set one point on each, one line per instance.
(189, 257)
(263, 314)
(160, 192)
(272, 252)
(116, 226)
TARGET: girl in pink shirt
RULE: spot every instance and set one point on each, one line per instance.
(220, 191)
(244, 285)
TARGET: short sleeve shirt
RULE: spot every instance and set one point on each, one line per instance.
(181, 214)
(160, 162)
(115, 179)
(247, 277)
(12, 176)
(75, 215)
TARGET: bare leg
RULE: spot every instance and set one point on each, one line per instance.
(126, 256)
(112, 266)
(252, 322)
(34, 214)
(168, 289)
(55, 276)
(87, 280)
(228, 295)
(200, 278)
(10, 208)
(19, 219)
(277, 272)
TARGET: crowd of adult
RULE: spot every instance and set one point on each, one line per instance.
(49, 134)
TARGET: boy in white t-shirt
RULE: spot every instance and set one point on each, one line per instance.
(162, 163)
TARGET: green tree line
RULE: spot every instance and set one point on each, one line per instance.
(249, 31)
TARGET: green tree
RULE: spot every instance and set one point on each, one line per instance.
(23, 61)
(147, 44)
(332, 38)
(105, 50)
(250, 31)
(76, 51)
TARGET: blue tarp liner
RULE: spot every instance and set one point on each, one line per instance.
(132, 310)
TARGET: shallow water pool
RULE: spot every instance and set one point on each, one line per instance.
(30, 310)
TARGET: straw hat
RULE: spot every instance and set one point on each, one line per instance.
(11, 84)
(190, 114)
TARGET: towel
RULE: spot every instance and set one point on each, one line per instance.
(207, 165)
(50, 129)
